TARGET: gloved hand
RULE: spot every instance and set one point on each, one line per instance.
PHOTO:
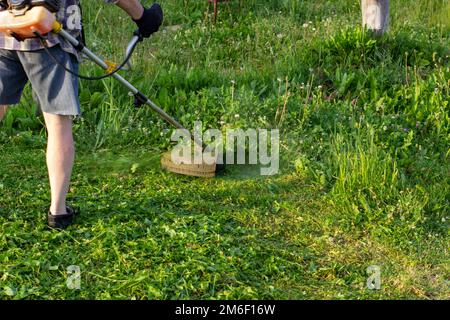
(150, 21)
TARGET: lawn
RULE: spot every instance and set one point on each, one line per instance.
(364, 160)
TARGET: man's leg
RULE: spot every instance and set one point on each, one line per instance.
(57, 93)
(3, 110)
(60, 158)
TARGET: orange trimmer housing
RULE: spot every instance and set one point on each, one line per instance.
(37, 19)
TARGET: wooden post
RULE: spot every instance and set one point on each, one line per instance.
(215, 3)
(375, 15)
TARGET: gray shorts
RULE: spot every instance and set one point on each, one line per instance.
(55, 89)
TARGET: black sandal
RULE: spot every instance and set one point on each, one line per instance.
(62, 221)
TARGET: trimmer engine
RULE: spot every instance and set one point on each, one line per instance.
(22, 18)
(19, 7)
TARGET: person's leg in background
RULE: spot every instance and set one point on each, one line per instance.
(12, 80)
(3, 110)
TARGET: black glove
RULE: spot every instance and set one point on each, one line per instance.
(150, 21)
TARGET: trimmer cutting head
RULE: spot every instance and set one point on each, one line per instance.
(196, 170)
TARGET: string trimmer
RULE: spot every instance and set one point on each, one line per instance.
(23, 19)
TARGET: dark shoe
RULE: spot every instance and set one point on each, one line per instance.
(61, 221)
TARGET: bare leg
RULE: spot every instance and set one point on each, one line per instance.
(60, 158)
(3, 110)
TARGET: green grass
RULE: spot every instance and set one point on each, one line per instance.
(364, 161)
